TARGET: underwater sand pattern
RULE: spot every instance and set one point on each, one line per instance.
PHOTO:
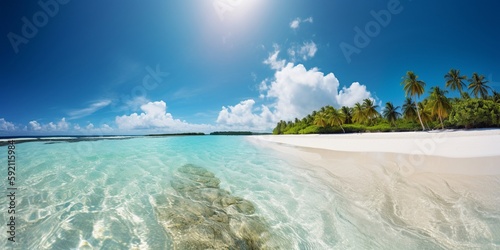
(204, 216)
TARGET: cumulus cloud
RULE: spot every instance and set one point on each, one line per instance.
(90, 129)
(5, 125)
(294, 92)
(35, 125)
(61, 125)
(155, 117)
(355, 93)
(298, 91)
(242, 116)
(297, 21)
(92, 108)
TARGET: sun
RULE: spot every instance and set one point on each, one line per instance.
(236, 9)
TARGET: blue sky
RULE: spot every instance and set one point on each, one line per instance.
(136, 67)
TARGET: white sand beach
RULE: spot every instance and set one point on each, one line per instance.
(475, 152)
(436, 186)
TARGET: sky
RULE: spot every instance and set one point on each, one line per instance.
(139, 67)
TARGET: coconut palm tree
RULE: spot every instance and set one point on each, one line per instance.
(496, 97)
(439, 104)
(478, 85)
(335, 117)
(320, 119)
(310, 119)
(454, 80)
(370, 110)
(413, 87)
(358, 114)
(391, 113)
(347, 114)
(409, 109)
(425, 114)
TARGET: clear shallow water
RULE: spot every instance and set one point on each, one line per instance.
(117, 194)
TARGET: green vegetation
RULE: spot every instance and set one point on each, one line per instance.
(231, 133)
(177, 134)
(435, 111)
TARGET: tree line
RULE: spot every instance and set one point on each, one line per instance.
(482, 110)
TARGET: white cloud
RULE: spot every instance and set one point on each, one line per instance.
(75, 114)
(273, 60)
(297, 21)
(35, 125)
(304, 52)
(90, 129)
(263, 85)
(61, 125)
(294, 93)
(106, 127)
(155, 117)
(355, 93)
(242, 116)
(299, 91)
(5, 125)
(308, 50)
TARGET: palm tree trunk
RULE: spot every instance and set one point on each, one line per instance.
(419, 118)
(342, 128)
(441, 120)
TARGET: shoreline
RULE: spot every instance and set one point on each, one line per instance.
(407, 153)
(454, 144)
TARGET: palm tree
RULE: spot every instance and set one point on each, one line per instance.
(391, 113)
(370, 110)
(358, 114)
(413, 87)
(335, 117)
(425, 114)
(323, 109)
(347, 114)
(310, 119)
(454, 80)
(478, 85)
(320, 119)
(496, 97)
(439, 104)
(409, 109)
(280, 127)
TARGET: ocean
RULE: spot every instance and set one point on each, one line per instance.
(225, 192)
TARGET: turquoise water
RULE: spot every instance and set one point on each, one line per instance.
(172, 192)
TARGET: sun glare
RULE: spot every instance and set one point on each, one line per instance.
(237, 11)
